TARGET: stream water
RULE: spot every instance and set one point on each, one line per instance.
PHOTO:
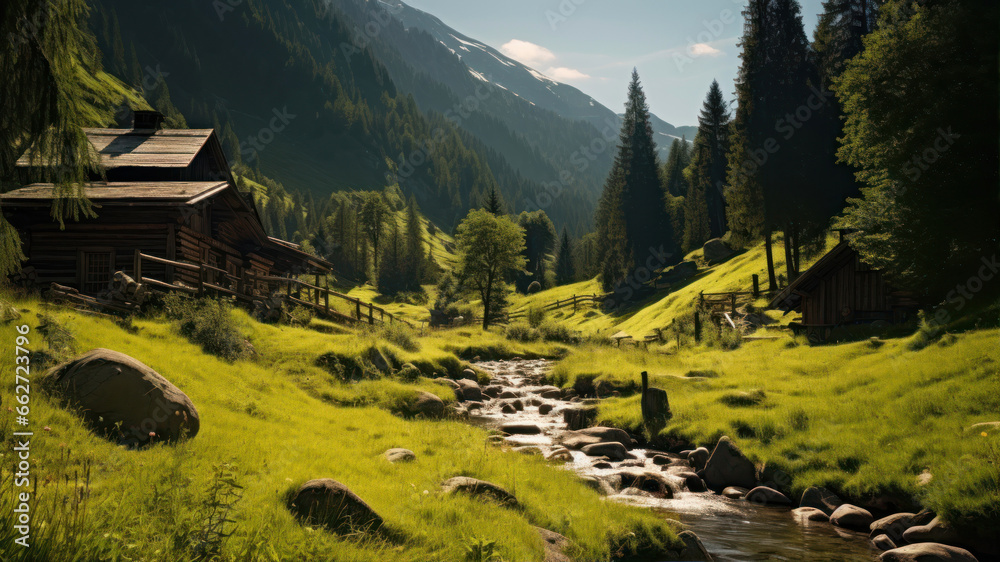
(729, 529)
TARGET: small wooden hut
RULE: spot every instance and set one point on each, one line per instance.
(840, 289)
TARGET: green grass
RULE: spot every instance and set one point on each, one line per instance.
(280, 420)
(859, 419)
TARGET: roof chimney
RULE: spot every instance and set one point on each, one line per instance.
(143, 119)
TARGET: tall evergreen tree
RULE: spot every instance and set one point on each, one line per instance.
(713, 130)
(493, 202)
(750, 129)
(414, 251)
(632, 218)
(565, 270)
(374, 216)
(539, 240)
(677, 159)
(697, 224)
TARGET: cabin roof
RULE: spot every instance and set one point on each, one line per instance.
(177, 192)
(791, 297)
(146, 148)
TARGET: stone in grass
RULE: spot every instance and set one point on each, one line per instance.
(400, 455)
(927, 552)
(426, 405)
(852, 517)
(478, 488)
(470, 390)
(762, 495)
(330, 504)
(693, 549)
(123, 398)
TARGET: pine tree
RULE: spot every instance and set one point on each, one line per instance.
(374, 216)
(565, 271)
(391, 269)
(493, 202)
(713, 130)
(414, 251)
(632, 218)
(672, 172)
(539, 239)
(697, 228)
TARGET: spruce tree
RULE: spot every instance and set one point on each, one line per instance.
(713, 129)
(493, 203)
(673, 176)
(374, 215)
(414, 251)
(565, 271)
(697, 228)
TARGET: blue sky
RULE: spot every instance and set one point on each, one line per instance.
(679, 46)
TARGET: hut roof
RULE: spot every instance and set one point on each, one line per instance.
(147, 148)
(791, 297)
(40, 194)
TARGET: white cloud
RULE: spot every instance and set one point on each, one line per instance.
(564, 74)
(527, 52)
(703, 50)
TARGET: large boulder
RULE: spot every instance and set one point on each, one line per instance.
(612, 449)
(927, 552)
(470, 390)
(478, 488)
(852, 517)
(330, 504)
(762, 495)
(379, 361)
(716, 251)
(555, 544)
(821, 499)
(123, 399)
(426, 405)
(680, 272)
(728, 466)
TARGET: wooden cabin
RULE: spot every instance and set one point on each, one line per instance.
(839, 290)
(167, 195)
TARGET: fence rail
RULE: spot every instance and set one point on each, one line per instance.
(246, 288)
(576, 301)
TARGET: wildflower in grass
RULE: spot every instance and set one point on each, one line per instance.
(983, 434)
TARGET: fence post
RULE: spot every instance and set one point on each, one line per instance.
(756, 286)
(574, 303)
(732, 298)
(697, 327)
(701, 298)
(371, 314)
(357, 309)
(326, 297)
(138, 266)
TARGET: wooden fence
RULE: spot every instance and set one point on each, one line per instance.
(250, 287)
(576, 301)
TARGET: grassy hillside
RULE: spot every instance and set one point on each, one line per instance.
(275, 422)
(658, 311)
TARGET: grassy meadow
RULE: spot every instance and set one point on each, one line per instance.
(270, 424)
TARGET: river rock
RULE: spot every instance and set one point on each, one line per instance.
(507, 408)
(661, 459)
(469, 374)
(400, 455)
(493, 391)
(612, 449)
(716, 251)
(692, 481)
(470, 390)
(698, 458)
(426, 405)
(560, 454)
(533, 401)
(935, 531)
(478, 488)
(518, 428)
(807, 514)
(852, 517)
(767, 496)
(593, 435)
(602, 465)
(821, 499)
(550, 392)
(727, 466)
(544, 409)
(122, 398)
(693, 549)
(883, 542)
(893, 525)
(927, 552)
(597, 484)
(734, 492)
(579, 417)
(509, 395)
(518, 405)
(474, 406)
(329, 503)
